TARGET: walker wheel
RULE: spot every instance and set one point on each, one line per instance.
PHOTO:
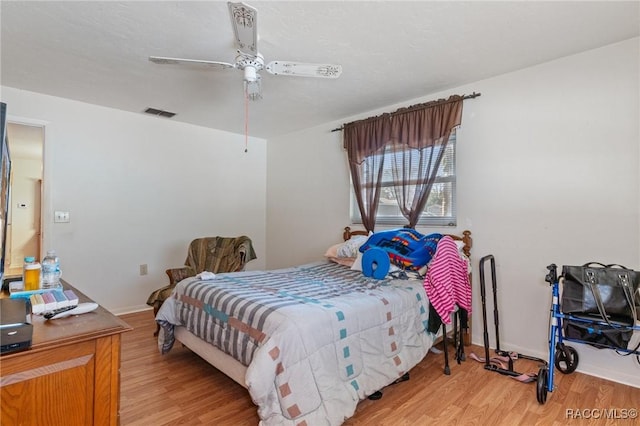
(566, 359)
(541, 385)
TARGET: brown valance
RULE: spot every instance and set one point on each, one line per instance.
(417, 126)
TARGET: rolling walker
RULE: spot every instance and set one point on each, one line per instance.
(565, 357)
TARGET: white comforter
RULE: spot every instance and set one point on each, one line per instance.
(338, 338)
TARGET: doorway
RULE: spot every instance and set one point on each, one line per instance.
(24, 225)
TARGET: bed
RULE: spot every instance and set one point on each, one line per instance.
(308, 342)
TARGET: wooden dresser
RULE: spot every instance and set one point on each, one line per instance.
(71, 374)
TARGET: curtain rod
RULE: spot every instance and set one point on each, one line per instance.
(431, 103)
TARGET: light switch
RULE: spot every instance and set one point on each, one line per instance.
(61, 217)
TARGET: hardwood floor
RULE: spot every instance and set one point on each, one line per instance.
(181, 389)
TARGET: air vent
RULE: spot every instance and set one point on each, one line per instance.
(160, 112)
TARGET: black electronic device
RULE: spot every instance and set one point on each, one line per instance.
(15, 331)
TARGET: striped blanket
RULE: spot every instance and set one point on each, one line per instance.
(316, 338)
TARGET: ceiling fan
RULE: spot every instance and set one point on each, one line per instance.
(244, 20)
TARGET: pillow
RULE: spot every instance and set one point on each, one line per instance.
(460, 246)
(346, 261)
(350, 247)
(357, 263)
(333, 250)
(332, 255)
(375, 263)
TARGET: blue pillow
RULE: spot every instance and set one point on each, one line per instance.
(375, 263)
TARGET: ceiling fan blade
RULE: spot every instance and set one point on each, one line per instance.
(179, 61)
(304, 70)
(244, 20)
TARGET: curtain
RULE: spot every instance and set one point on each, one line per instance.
(416, 138)
(419, 142)
(364, 141)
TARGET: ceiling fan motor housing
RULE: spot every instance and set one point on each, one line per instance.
(250, 64)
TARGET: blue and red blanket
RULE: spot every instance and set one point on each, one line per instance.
(407, 248)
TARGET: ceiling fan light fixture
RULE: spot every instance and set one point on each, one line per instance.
(250, 74)
(253, 89)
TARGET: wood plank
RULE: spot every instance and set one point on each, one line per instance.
(181, 388)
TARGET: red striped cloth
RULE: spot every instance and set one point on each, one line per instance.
(447, 280)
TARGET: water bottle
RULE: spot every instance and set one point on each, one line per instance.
(51, 270)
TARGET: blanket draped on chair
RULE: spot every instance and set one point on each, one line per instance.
(212, 254)
(219, 254)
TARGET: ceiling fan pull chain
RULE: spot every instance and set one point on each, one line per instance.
(246, 118)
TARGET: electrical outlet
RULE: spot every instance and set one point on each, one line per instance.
(60, 217)
(143, 269)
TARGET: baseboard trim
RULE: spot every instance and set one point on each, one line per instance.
(131, 310)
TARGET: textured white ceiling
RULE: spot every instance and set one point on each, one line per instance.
(390, 51)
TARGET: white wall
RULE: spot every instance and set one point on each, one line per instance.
(138, 189)
(548, 172)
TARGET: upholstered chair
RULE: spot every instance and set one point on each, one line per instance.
(212, 254)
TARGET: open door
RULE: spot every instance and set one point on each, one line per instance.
(24, 236)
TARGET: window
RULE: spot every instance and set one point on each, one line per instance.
(440, 209)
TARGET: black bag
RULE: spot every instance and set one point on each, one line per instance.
(604, 292)
(600, 336)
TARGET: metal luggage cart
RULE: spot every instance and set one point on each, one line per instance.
(503, 363)
(565, 357)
